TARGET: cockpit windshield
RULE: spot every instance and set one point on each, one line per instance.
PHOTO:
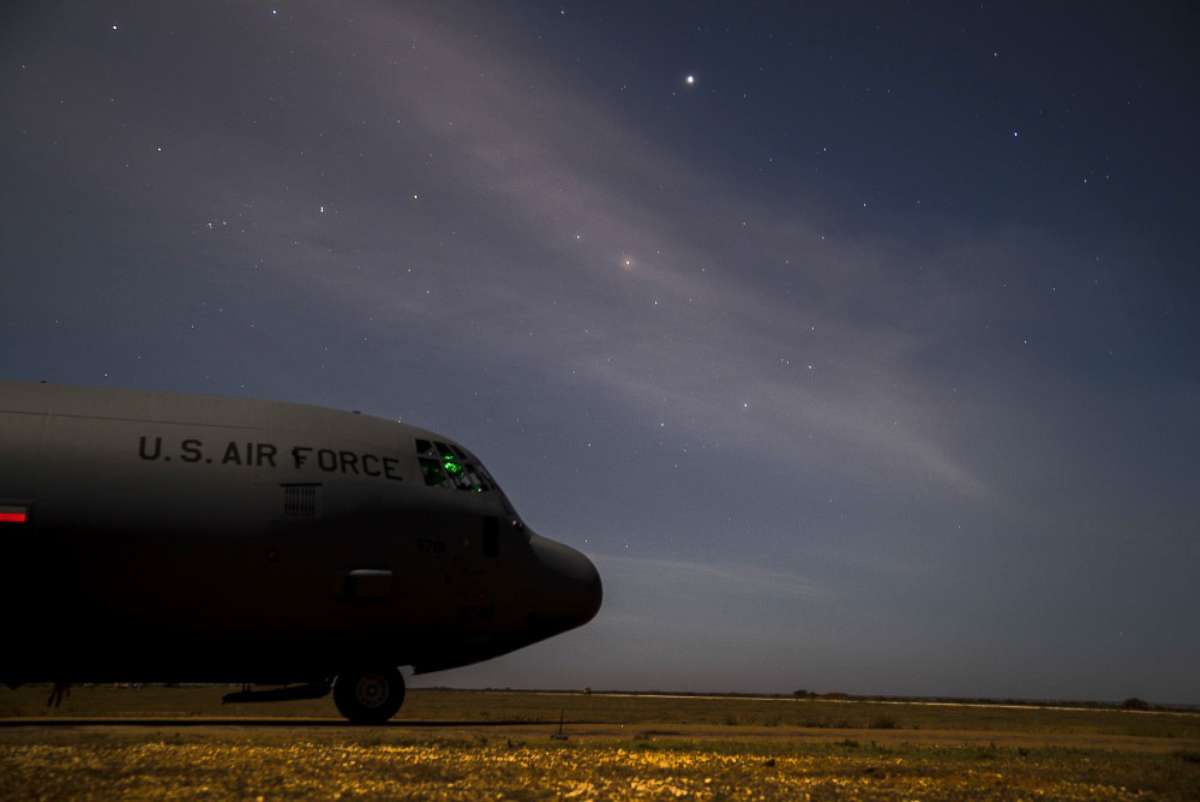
(447, 465)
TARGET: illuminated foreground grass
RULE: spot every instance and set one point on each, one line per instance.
(248, 763)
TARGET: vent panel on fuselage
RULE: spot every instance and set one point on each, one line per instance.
(301, 500)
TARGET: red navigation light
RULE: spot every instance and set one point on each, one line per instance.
(14, 515)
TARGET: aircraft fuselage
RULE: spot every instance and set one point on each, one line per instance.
(157, 537)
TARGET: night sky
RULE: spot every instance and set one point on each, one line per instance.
(857, 346)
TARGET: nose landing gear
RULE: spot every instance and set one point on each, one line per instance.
(369, 695)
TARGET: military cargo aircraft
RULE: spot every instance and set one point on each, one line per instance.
(151, 537)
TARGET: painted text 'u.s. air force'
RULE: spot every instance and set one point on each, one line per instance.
(268, 455)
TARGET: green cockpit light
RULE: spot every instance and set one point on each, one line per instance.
(446, 466)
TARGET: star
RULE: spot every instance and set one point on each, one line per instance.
(690, 80)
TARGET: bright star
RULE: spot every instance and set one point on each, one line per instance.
(690, 80)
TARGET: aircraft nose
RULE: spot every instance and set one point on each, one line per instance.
(573, 591)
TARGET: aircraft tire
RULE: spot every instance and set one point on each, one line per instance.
(369, 695)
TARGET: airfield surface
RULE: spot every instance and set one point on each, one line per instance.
(107, 743)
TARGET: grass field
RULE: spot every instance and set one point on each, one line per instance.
(160, 743)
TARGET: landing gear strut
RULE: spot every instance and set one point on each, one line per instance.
(369, 695)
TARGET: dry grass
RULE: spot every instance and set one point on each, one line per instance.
(636, 749)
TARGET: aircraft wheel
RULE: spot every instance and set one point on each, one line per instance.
(369, 696)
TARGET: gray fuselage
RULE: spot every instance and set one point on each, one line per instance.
(158, 537)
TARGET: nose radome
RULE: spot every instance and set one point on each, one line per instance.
(592, 592)
(574, 582)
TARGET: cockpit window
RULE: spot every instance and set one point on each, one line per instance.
(444, 465)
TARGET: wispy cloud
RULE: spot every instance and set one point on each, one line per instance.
(556, 166)
(512, 155)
